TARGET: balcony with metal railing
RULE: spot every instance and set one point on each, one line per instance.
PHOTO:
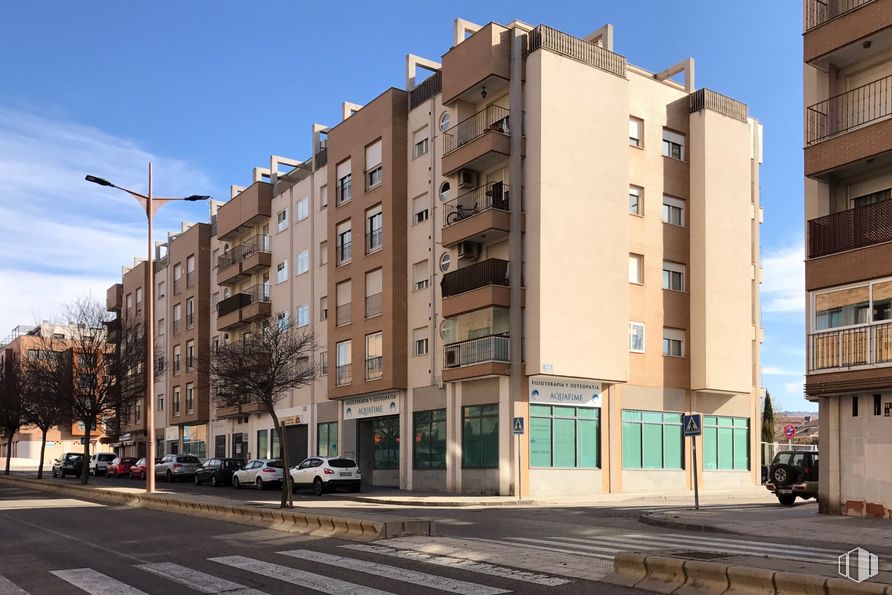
(374, 368)
(178, 286)
(373, 305)
(374, 240)
(818, 12)
(480, 285)
(836, 32)
(344, 252)
(852, 347)
(850, 229)
(478, 212)
(343, 374)
(477, 142)
(245, 258)
(343, 314)
(483, 356)
(246, 306)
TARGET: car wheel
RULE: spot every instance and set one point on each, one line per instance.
(197, 480)
(318, 488)
(787, 499)
(235, 483)
(214, 482)
(259, 483)
(169, 476)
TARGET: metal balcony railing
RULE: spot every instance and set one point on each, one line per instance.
(177, 325)
(374, 240)
(546, 38)
(374, 368)
(344, 374)
(492, 271)
(850, 229)
(491, 119)
(425, 90)
(190, 320)
(178, 286)
(841, 113)
(864, 345)
(494, 348)
(483, 198)
(190, 279)
(246, 297)
(258, 243)
(818, 12)
(345, 252)
(344, 190)
(373, 305)
(343, 314)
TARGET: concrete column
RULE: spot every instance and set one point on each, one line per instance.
(829, 501)
(407, 440)
(507, 467)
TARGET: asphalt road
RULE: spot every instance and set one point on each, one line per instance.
(59, 545)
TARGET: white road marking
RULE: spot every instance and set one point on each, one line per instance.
(199, 581)
(724, 541)
(7, 587)
(395, 573)
(541, 547)
(95, 583)
(461, 564)
(551, 541)
(297, 577)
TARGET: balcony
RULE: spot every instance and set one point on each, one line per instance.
(244, 259)
(245, 306)
(851, 229)
(481, 60)
(374, 240)
(374, 368)
(841, 349)
(476, 286)
(251, 206)
(481, 212)
(835, 30)
(344, 374)
(844, 131)
(564, 44)
(240, 410)
(484, 356)
(477, 142)
(344, 253)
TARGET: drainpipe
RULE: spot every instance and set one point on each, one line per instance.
(434, 263)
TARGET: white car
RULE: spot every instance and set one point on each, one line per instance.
(260, 473)
(325, 474)
(99, 462)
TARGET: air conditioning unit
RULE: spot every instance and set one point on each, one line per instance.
(467, 178)
(469, 250)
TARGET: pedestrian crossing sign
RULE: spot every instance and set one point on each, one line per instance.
(518, 425)
(691, 424)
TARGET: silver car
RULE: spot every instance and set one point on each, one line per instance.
(174, 467)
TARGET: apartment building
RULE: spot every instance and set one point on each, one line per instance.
(848, 275)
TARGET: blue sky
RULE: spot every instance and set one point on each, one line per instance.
(207, 90)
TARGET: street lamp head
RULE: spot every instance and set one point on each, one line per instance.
(196, 197)
(100, 181)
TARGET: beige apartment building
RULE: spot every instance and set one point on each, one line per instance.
(538, 229)
(848, 269)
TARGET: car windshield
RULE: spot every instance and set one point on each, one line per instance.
(189, 460)
(106, 457)
(275, 464)
(341, 463)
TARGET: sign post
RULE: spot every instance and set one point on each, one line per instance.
(692, 426)
(517, 425)
(790, 433)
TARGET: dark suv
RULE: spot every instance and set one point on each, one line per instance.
(793, 473)
(70, 463)
(217, 471)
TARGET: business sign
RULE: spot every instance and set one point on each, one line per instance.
(558, 390)
(362, 407)
(291, 420)
(172, 433)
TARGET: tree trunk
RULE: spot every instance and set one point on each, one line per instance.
(85, 466)
(42, 451)
(9, 451)
(286, 500)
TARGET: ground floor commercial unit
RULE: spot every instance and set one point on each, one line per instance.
(26, 444)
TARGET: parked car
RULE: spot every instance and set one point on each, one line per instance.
(324, 474)
(99, 462)
(217, 471)
(793, 473)
(120, 466)
(259, 472)
(174, 467)
(138, 469)
(69, 463)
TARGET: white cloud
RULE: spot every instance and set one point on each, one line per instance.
(775, 371)
(783, 286)
(62, 237)
(795, 389)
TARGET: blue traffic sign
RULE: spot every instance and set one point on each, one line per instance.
(517, 424)
(692, 425)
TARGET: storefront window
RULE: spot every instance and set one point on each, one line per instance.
(327, 439)
(480, 436)
(275, 452)
(386, 434)
(430, 439)
(564, 436)
(263, 444)
(195, 441)
(652, 440)
(726, 443)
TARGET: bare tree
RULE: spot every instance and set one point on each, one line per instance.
(262, 367)
(12, 412)
(46, 382)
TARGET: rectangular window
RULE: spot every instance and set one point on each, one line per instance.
(673, 275)
(161, 287)
(673, 144)
(302, 208)
(138, 297)
(323, 253)
(673, 210)
(344, 190)
(854, 405)
(636, 269)
(386, 436)
(327, 439)
(190, 397)
(323, 197)
(373, 167)
(282, 320)
(177, 317)
(161, 402)
(323, 308)
(636, 200)
(177, 278)
(323, 363)
(129, 301)
(673, 342)
(726, 443)
(282, 220)
(420, 209)
(343, 364)
(190, 355)
(282, 272)
(848, 307)
(190, 312)
(420, 341)
(420, 275)
(176, 359)
(429, 450)
(190, 270)
(636, 129)
(419, 143)
(374, 229)
(303, 315)
(652, 440)
(344, 240)
(566, 437)
(161, 327)
(176, 400)
(374, 356)
(480, 436)
(877, 405)
(374, 292)
(215, 299)
(636, 337)
(303, 262)
(263, 444)
(344, 304)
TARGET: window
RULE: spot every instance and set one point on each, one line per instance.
(673, 144)
(177, 316)
(323, 308)
(636, 337)
(373, 168)
(877, 404)
(323, 363)
(636, 204)
(343, 314)
(215, 299)
(872, 198)
(303, 315)
(323, 253)
(386, 437)
(636, 269)
(161, 327)
(374, 229)
(636, 130)
(344, 191)
(480, 436)
(673, 342)
(373, 293)
(567, 437)
(854, 405)
(420, 275)
(420, 209)
(420, 341)
(190, 397)
(673, 210)
(263, 443)
(343, 368)
(445, 261)
(190, 312)
(282, 220)
(190, 355)
(429, 451)
(344, 243)
(323, 197)
(445, 120)
(327, 439)
(726, 442)
(374, 356)
(652, 440)
(419, 143)
(302, 209)
(850, 306)
(176, 359)
(282, 320)
(282, 272)
(129, 302)
(303, 262)
(160, 289)
(176, 400)
(673, 275)
(138, 298)
(138, 408)
(161, 402)
(215, 344)
(444, 191)
(177, 278)
(190, 270)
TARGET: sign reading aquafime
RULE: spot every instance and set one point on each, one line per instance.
(559, 390)
(376, 406)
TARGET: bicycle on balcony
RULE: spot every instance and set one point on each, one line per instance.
(459, 212)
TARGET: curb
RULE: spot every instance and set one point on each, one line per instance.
(357, 528)
(658, 519)
(665, 574)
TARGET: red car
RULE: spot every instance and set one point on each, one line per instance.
(138, 469)
(120, 467)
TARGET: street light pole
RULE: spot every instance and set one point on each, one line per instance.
(151, 204)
